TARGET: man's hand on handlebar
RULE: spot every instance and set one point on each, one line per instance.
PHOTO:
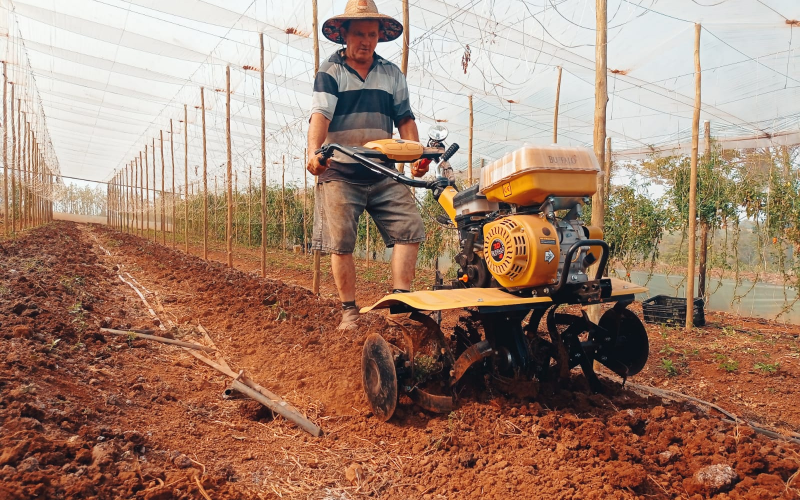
(317, 164)
(420, 167)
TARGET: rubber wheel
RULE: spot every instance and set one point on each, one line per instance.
(379, 377)
(632, 347)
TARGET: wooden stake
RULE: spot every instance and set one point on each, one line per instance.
(316, 274)
(172, 159)
(28, 175)
(283, 200)
(607, 167)
(229, 225)
(164, 340)
(6, 224)
(249, 205)
(13, 163)
(600, 102)
(315, 27)
(693, 184)
(704, 225)
(264, 143)
(235, 203)
(205, 177)
(406, 37)
(186, 176)
(469, 151)
(305, 204)
(135, 196)
(20, 176)
(367, 245)
(127, 198)
(163, 169)
(155, 220)
(147, 191)
(141, 196)
(23, 185)
(555, 110)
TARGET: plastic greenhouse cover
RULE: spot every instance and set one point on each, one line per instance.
(102, 78)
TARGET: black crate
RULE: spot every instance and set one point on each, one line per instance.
(666, 310)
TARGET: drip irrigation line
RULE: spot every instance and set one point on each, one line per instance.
(731, 418)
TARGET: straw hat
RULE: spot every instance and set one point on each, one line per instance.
(362, 10)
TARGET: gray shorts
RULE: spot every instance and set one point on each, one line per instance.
(339, 204)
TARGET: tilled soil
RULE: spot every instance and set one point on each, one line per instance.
(85, 414)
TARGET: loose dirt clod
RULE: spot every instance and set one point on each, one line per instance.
(715, 478)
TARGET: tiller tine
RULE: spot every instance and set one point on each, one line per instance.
(431, 402)
(474, 354)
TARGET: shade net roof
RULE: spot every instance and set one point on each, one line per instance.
(101, 80)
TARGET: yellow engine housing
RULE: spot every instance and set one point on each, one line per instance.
(521, 251)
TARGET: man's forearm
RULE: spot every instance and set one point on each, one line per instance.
(317, 132)
(408, 130)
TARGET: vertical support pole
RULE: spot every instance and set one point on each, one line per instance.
(172, 159)
(126, 181)
(283, 201)
(693, 184)
(28, 174)
(141, 196)
(317, 256)
(161, 145)
(600, 103)
(147, 191)
(135, 165)
(235, 233)
(704, 225)
(186, 176)
(229, 225)
(315, 27)
(23, 185)
(305, 206)
(5, 153)
(264, 143)
(367, 242)
(155, 216)
(555, 110)
(469, 151)
(14, 162)
(607, 167)
(249, 205)
(205, 176)
(406, 37)
(214, 217)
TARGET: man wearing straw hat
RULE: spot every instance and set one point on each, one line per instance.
(360, 97)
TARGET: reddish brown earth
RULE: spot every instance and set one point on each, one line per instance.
(85, 414)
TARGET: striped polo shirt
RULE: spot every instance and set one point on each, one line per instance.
(360, 110)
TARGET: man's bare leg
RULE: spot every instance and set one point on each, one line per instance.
(404, 264)
(344, 273)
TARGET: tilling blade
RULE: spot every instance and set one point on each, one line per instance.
(631, 347)
(379, 376)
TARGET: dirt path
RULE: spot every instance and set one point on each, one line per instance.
(157, 409)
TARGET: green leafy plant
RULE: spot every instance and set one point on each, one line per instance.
(52, 345)
(667, 350)
(767, 367)
(669, 367)
(729, 365)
